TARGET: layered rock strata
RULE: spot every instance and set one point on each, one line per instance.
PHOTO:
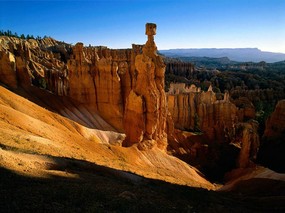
(97, 77)
(178, 68)
(146, 107)
(220, 139)
(126, 88)
(196, 110)
(101, 79)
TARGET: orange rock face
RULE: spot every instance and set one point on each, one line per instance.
(8, 69)
(94, 80)
(126, 88)
(97, 77)
(247, 139)
(195, 110)
(146, 109)
(226, 141)
(103, 80)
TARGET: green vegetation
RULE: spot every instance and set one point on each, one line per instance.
(197, 123)
(262, 84)
(9, 33)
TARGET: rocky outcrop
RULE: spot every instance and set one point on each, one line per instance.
(31, 61)
(97, 77)
(272, 148)
(247, 141)
(126, 88)
(101, 78)
(275, 124)
(8, 69)
(220, 139)
(146, 109)
(196, 110)
(178, 68)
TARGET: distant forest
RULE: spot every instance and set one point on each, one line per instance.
(9, 33)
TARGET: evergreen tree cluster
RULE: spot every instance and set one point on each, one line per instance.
(9, 33)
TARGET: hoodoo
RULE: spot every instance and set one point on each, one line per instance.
(146, 107)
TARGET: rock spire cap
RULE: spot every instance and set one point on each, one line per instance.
(150, 29)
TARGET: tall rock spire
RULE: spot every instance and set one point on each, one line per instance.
(146, 109)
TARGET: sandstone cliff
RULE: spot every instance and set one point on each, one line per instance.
(124, 87)
(221, 140)
(103, 80)
(146, 107)
(89, 75)
(196, 110)
(178, 67)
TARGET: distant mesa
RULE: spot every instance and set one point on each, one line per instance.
(234, 54)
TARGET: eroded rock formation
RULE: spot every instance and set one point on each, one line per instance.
(146, 109)
(247, 140)
(103, 80)
(126, 88)
(178, 67)
(223, 141)
(196, 110)
(89, 75)
(8, 68)
(273, 141)
(275, 125)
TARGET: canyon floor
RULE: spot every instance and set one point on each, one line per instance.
(57, 163)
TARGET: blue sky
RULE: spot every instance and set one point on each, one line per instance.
(180, 23)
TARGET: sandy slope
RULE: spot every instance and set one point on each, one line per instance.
(30, 136)
(261, 177)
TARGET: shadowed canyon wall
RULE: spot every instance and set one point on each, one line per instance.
(220, 139)
(273, 141)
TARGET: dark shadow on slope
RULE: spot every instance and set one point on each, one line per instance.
(213, 159)
(103, 189)
(271, 154)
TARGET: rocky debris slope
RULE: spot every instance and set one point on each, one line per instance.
(258, 181)
(31, 137)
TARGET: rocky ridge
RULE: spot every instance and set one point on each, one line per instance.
(111, 83)
(220, 133)
(126, 88)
